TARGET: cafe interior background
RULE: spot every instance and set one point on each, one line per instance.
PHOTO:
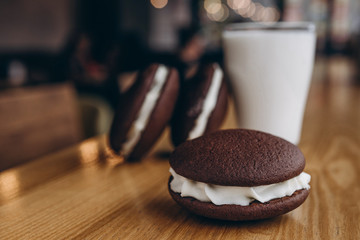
(64, 63)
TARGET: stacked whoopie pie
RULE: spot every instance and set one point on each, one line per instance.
(148, 106)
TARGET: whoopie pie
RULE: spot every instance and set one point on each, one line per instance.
(238, 174)
(202, 104)
(144, 111)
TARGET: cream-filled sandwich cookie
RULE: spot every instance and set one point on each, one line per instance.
(202, 104)
(238, 175)
(144, 111)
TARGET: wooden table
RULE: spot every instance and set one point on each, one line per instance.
(84, 192)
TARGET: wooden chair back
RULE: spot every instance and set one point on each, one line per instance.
(35, 121)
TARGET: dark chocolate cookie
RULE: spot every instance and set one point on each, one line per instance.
(202, 104)
(144, 111)
(238, 157)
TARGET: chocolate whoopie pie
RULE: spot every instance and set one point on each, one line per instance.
(202, 104)
(238, 175)
(144, 111)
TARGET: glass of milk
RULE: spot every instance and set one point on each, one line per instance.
(270, 68)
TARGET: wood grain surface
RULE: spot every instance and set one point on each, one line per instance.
(85, 192)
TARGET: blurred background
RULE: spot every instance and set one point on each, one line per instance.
(64, 63)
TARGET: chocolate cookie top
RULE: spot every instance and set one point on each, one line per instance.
(238, 157)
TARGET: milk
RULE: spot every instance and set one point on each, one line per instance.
(270, 72)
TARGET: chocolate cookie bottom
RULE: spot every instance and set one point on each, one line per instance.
(255, 211)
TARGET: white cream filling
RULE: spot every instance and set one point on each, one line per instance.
(146, 109)
(220, 195)
(209, 104)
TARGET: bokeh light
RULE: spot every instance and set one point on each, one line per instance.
(9, 184)
(271, 14)
(250, 11)
(216, 11)
(212, 6)
(242, 11)
(254, 10)
(238, 4)
(259, 12)
(159, 3)
(89, 151)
